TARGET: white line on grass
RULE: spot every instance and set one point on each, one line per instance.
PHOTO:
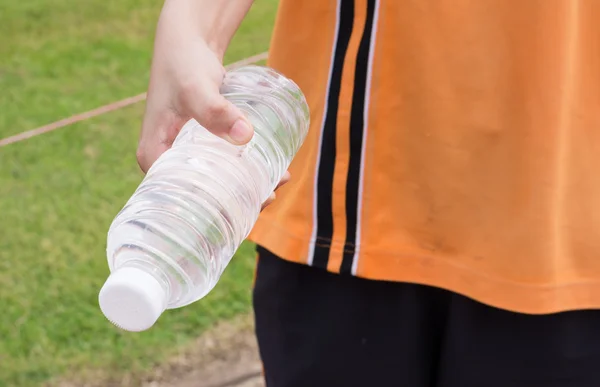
(104, 109)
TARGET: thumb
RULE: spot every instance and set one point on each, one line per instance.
(224, 119)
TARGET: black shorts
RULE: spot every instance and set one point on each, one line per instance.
(317, 329)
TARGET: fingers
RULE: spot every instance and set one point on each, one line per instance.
(270, 200)
(160, 126)
(147, 155)
(218, 115)
(286, 177)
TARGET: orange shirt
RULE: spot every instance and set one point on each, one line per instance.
(453, 143)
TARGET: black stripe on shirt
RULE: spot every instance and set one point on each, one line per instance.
(324, 199)
(357, 127)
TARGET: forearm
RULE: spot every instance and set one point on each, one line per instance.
(214, 21)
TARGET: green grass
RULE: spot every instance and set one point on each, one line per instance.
(60, 191)
(60, 57)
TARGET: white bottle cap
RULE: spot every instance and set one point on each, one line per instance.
(132, 299)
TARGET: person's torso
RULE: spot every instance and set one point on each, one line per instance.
(452, 143)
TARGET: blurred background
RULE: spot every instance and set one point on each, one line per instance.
(59, 191)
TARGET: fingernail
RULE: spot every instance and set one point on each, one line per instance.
(240, 132)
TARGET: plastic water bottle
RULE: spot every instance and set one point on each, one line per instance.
(173, 239)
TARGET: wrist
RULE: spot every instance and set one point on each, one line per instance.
(213, 21)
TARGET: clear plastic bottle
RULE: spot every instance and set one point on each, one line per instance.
(173, 239)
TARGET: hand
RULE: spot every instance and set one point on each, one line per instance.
(187, 72)
(185, 78)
